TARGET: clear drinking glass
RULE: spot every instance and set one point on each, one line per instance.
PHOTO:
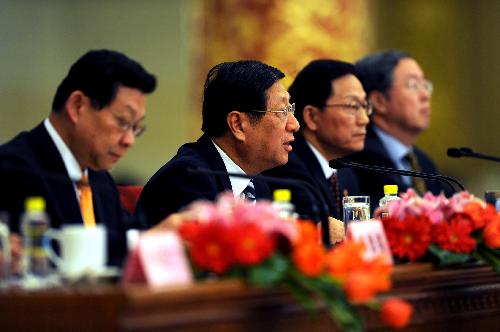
(356, 208)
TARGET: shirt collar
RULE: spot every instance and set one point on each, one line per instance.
(325, 166)
(237, 184)
(69, 160)
(394, 147)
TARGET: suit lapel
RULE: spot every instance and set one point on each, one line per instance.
(305, 153)
(207, 149)
(59, 185)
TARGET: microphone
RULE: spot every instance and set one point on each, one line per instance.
(346, 163)
(467, 152)
(310, 191)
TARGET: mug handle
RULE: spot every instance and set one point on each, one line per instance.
(53, 235)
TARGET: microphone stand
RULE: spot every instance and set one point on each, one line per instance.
(343, 162)
(291, 183)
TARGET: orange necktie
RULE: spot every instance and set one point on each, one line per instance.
(86, 204)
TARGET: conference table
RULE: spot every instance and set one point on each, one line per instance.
(465, 298)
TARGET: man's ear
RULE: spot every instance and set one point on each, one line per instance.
(238, 122)
(311, 116)
(379, 101)
(75, 105)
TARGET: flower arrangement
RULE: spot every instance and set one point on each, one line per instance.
(452, 230)
(239, 239)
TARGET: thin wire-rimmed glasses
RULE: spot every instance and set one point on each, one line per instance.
(287, 110)
(416, 85)
(354, 107)
(124, 126)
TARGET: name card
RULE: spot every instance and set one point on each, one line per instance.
(372, 234)
(158, 259)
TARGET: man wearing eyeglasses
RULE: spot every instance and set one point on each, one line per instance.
(97, 113)
(333, 113)
(401, 98)
(248, 125)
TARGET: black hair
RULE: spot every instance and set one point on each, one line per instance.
(99, 74)
(313, 84)
(376, 71)
(235, 86)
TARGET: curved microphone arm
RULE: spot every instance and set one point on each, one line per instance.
(343, 163)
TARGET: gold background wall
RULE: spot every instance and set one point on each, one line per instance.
(454, 41)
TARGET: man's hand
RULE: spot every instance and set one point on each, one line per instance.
(336, 230)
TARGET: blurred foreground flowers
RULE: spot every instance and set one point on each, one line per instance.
(238, 239)
(452, 230)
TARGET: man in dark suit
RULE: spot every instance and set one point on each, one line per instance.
(97, 113)
(248, 126)
(401, 98)
(333, 114)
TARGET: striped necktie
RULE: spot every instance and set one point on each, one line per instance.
(86, 203)
(418, 183)
(334, 183)
(249, 192)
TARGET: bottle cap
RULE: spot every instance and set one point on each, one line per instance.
(35, 204)
(390, 189)
(282, 195)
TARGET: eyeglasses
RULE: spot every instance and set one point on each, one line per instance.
(354, 108)
(137, 128)
(416, 85)
(287, 110)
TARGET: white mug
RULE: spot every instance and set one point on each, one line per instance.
(83, 250)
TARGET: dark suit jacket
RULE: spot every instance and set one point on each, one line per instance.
(372, 184)
(173, 186)
(30, 165)
(303, 165)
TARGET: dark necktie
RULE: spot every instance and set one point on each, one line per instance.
(418, 183)
(249, 192)
(336, 193)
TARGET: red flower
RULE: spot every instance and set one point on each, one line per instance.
(211, 247)
(251, 244)
(359, 287)
(344, 259)
(409, 237)
(491, 234)
(396, 313)
(361, 279)
(455, 236)
(309, 258)
(474, 211)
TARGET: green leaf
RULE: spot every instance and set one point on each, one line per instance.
(270, 272)
(342, 312)
(488, 256)
(302, 295)
(446, 257)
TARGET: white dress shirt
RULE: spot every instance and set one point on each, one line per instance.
(237, 184)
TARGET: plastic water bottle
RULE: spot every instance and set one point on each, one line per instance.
(34, 226)
(390, 194)
(282, 203)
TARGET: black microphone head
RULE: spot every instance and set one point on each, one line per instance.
(339, 163)
(455, 153)
(464, 150)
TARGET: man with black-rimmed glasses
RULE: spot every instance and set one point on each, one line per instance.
(333, 113)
